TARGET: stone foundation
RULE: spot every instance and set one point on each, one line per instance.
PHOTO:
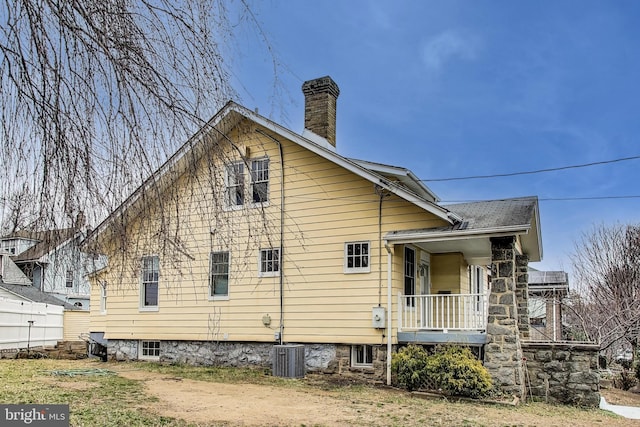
(319, 358)
(563, 372)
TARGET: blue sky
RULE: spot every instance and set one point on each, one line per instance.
(464, 88)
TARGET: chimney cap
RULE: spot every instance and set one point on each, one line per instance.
(321, 85)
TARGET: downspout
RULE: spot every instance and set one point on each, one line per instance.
(389, 310)
(281, 284)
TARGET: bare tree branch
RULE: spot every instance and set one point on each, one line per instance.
(97, 93)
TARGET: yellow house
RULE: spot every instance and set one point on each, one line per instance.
(253, 237)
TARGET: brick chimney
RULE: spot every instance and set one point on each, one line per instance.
(320, 97)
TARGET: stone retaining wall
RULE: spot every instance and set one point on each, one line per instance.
(563, 372)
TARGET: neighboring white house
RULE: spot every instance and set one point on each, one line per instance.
(54, 264)
(547, 289)
(10, 273)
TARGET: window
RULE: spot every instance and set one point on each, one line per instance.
(103, 297)
(260, 180)
(219, 275)
(269, 262)
(235, 184)
(149, 349)
(362, 355)
(150, 275)
(10, 246)
(410, 274)
(357, 257)
(69, 279)
(476, 284)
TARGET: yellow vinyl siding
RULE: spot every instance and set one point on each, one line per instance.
(325, 207)
(449, 273)
(76, 325)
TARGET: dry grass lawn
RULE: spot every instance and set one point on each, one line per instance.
(144, 394)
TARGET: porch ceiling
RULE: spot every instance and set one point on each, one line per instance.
(476, 251)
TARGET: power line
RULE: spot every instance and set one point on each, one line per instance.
(584, 165)
(555, 199)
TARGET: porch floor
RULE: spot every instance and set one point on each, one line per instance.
(440, 337)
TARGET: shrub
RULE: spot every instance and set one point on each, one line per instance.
(456, 371)
(637, 369)
(626, 364)
(409, 363)
(624, 380)
(452, 369)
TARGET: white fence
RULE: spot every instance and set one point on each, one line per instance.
(461, 312)
(29, 324)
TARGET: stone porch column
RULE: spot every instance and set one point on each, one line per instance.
(503, 352)
(522, 294)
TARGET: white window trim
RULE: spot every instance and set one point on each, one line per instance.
(356, 270)
(227, 206)
(69, 279)
(354, 357)
(141, 306)
(265, 203)
(103, 298)
(141, 356)
(268, 273)
(415, 275)
(219, 297)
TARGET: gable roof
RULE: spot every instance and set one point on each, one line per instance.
(33, 294)
(47, 242)
(548, 277)
(10, 273)
(543, 282)
(226, 119)
(402, 175)
(485, 219)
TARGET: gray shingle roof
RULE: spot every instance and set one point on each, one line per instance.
(495, 213)
(33, 294)
(48, 241)
(548, 278)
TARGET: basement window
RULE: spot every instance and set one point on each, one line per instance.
(362, 356)
(149, 350)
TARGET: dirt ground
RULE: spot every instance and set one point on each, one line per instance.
(259, 405)
(246, 404)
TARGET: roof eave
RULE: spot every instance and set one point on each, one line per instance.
(350, 165)
(458, 234)
(220, 117)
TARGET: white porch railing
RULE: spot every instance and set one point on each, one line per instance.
(456, 312)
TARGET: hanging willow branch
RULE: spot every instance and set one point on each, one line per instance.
(95, 94)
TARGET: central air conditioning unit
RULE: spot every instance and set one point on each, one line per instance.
(288, 361)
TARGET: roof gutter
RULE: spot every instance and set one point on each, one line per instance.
(443, 236)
